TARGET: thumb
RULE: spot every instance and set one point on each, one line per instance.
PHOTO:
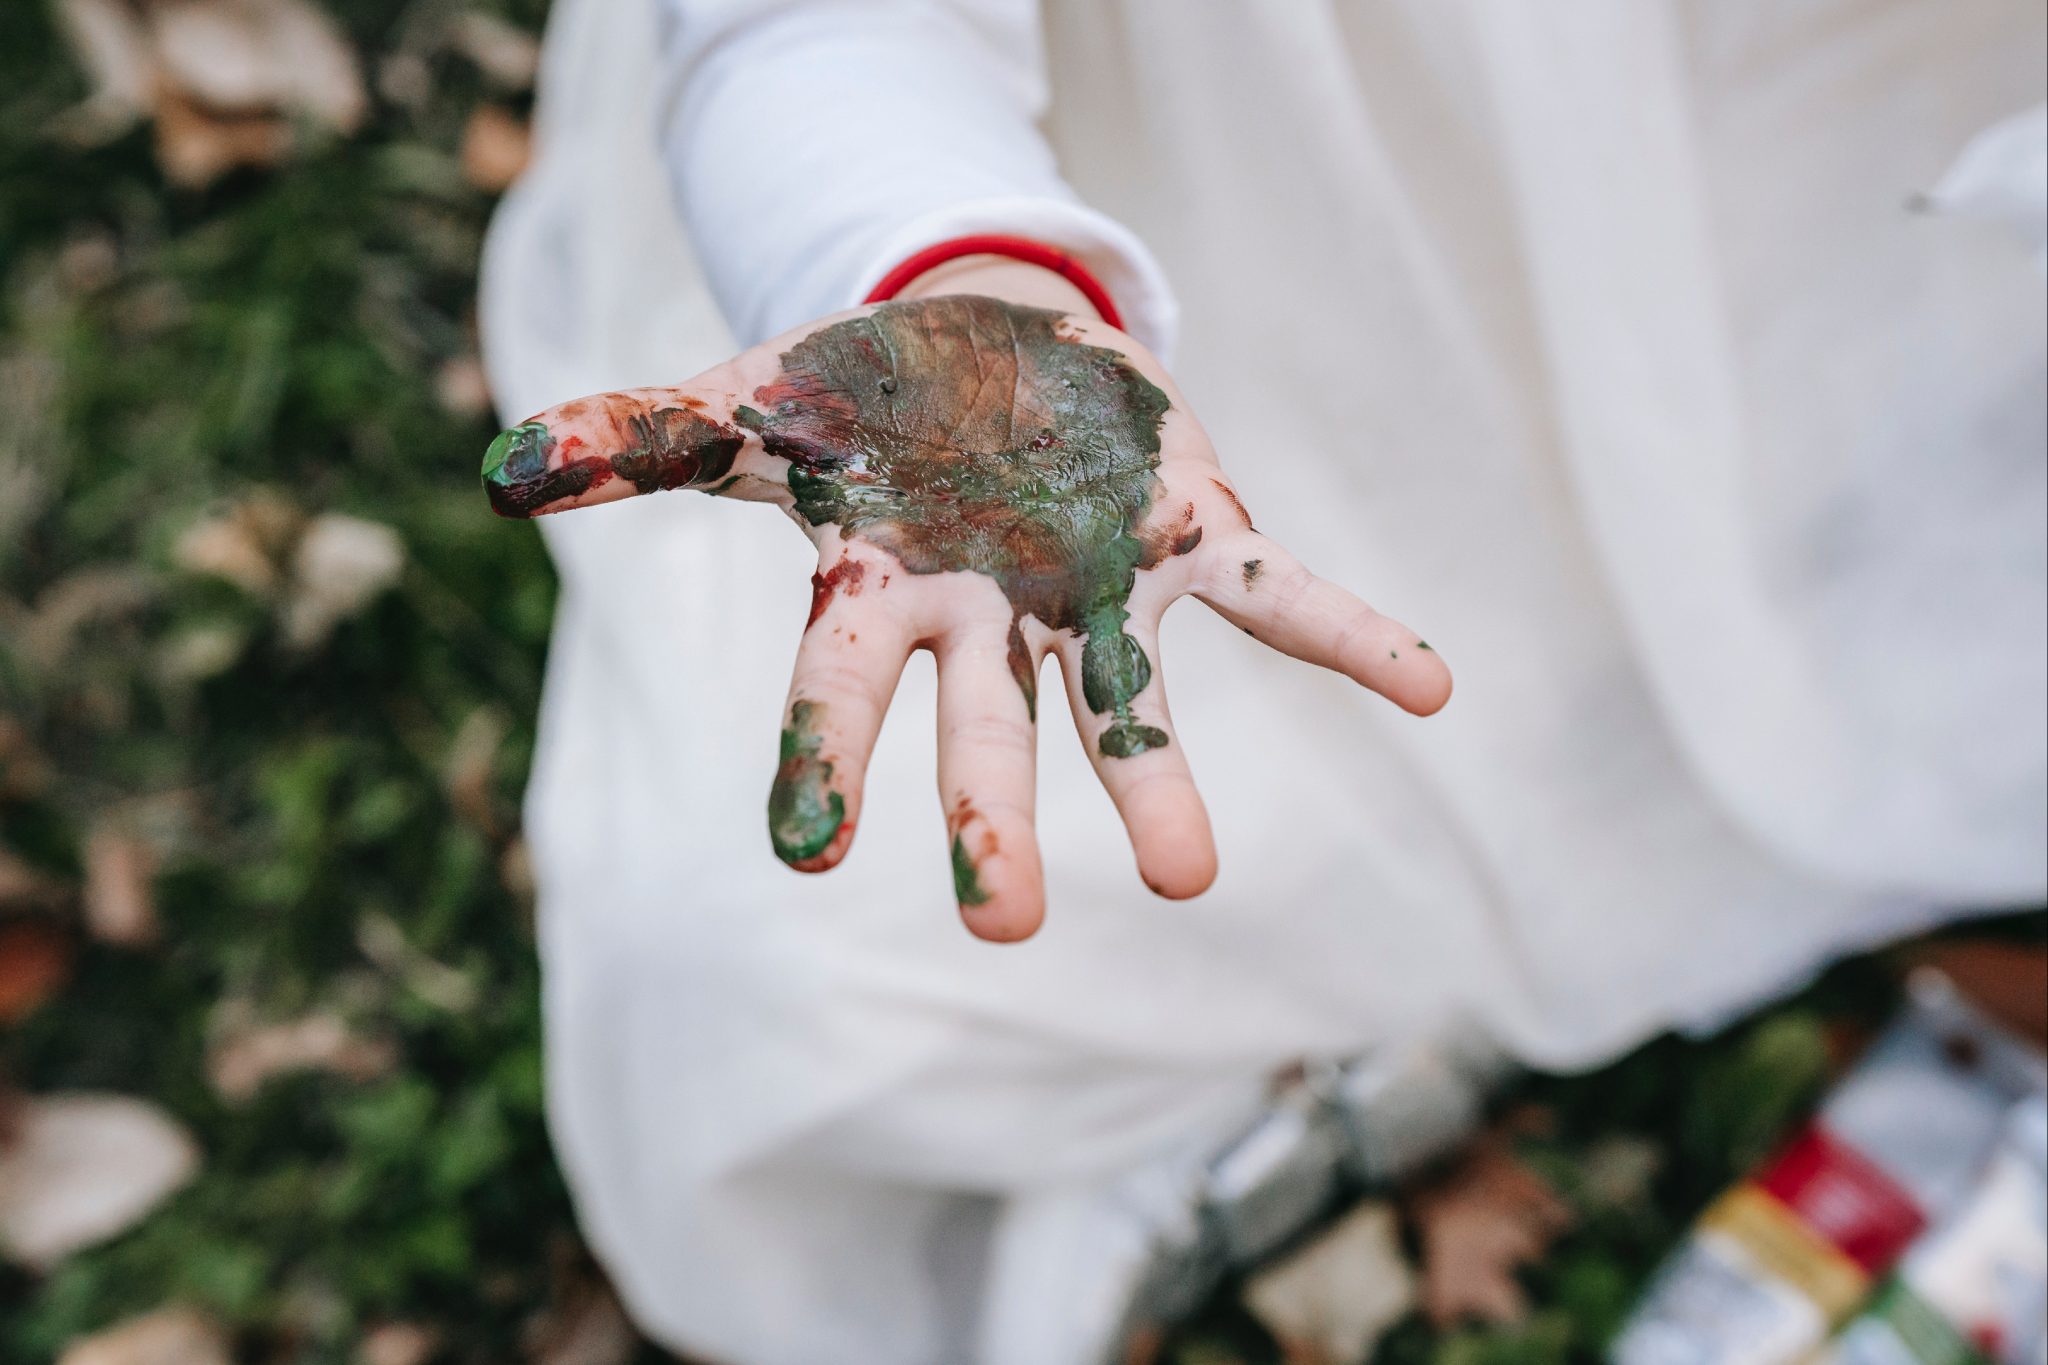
(614, 445)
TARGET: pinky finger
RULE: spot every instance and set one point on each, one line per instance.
(1269, 594)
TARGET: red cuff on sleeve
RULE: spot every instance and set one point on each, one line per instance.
(993, 244)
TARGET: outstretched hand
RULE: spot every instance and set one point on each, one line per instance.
(995, 483)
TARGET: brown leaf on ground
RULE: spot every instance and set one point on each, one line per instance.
(82, 1168)
(462, 388)
(225, 80)
(70, 608)
(1478, 1223)
(25, 886)
(495, 148)
(384, 943)
(196, 146)
(120, 898)
(110, 41)
(471, 765)
(1331, 1301)
(244, 544)
(339, 566)
(35, 961)
(258, 56)
(2008, 981)
(245, 1053)
(169, 1336)
(506, 53)
(23, 769)
(398, 1343)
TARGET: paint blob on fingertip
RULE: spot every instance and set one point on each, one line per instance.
(804, 812)
(967, 887)
(661, 447)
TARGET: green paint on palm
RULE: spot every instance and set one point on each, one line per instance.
(804, 812)
(967, 888)
(968, 434)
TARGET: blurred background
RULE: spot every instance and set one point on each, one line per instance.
(270, 1078)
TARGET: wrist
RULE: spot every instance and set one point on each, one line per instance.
(1000, 277)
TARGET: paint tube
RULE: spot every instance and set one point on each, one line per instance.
(1975, 1290)
(1777, 1262)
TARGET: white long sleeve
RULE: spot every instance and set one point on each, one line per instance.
(813, 144)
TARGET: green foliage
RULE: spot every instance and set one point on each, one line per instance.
(165, 353)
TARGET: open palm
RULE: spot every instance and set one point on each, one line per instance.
(995, 483)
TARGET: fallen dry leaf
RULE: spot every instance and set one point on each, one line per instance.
(35, 960)
(24, 886)
(84, 1167)
(2008, 981)
(506, 53)
(245, 1053)
(1331, 1301)
(196, 146)
(1478, 1223)
(225, 80)
(515, 870)
(120, 899)
(461, 387)
(495, 148)
(23, 769)
(338, 566)
(440, 985)
(243, 544)
(471, 765)
(110, 42)
(76, 602)
(169, 1336)
(194, 653)
(89, 261)
(283, 56)
(398, 1343)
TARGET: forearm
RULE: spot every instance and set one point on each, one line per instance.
(812, 147)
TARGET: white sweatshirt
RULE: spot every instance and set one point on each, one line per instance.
(1593, 340)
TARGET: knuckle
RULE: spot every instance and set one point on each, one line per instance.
(831, 680)
(993, 732)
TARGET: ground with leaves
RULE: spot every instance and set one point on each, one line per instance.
(267, 675)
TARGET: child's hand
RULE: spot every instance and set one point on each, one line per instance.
(995, 483)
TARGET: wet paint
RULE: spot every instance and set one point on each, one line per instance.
(663, 448)
(1252, 569)
(969, 434)
(967, 887)
(804, 812)
(842, 579)
(1231, 493)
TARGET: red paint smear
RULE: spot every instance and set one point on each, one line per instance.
(829, 856)
(1227, 491)
(843, 577)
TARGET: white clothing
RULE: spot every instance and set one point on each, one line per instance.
(1594, 340)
